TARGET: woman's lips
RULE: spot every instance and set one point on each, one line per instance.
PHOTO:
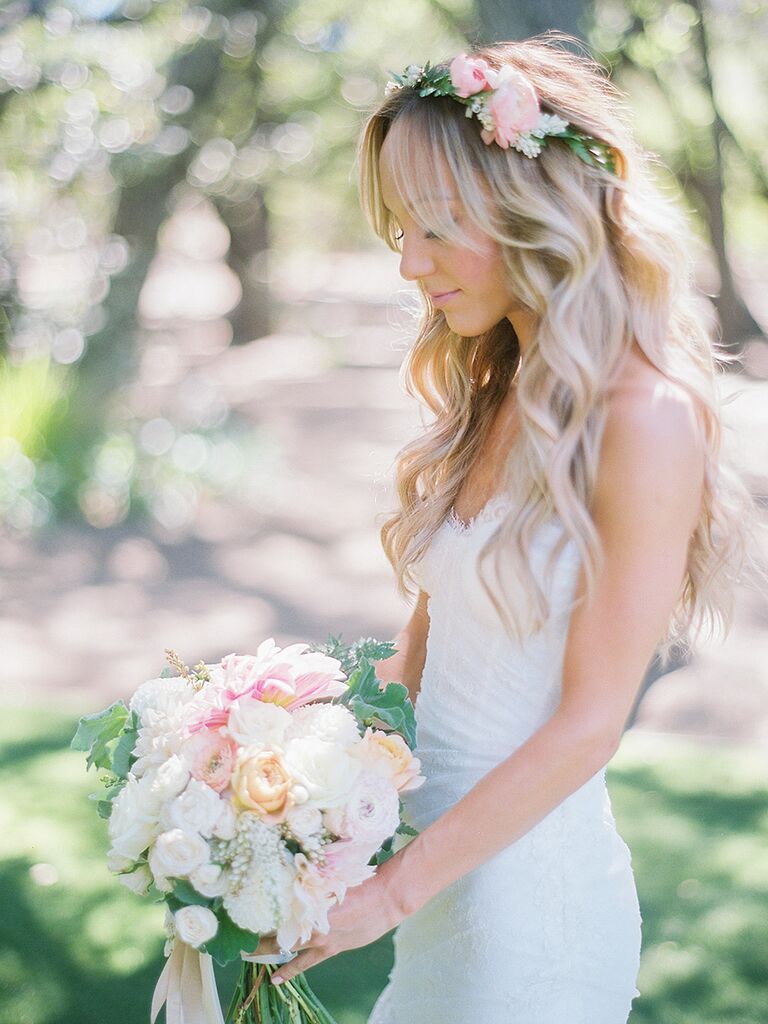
(442, 297)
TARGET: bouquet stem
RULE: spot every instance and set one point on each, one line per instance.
(257, 1001)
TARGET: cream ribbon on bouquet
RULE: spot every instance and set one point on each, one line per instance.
(187, 985)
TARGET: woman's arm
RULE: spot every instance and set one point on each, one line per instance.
(647, 503)
(407, 664)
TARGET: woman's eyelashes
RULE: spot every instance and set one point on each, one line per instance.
(430, 235)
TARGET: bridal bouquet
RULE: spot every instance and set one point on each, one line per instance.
(248, 796)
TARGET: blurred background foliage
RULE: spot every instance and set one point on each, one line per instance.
(169, 169)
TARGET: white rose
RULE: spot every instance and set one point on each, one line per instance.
(117, 863)
(257, 723)
(169, 779)
(197, 809)
(209, 880)
(137, 881)
(195, 925)
(226, 824)
(324, 769)
(177, 853)
(330, 722)
(133, 822)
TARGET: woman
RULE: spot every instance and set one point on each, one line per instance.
(566, 514)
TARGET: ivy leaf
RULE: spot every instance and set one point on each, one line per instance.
(96, 733)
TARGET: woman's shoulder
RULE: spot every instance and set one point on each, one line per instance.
(645, 407)
(653, 443)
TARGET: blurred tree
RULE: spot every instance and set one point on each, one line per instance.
(500, 19)
(681, 62)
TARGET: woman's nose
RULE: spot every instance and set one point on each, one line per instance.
(415, 260)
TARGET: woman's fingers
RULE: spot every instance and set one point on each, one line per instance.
(267, 946)
(306, 959)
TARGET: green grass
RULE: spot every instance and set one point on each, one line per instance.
(83, 950)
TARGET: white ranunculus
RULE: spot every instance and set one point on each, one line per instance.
(133, 823)
(326, 771)
(255, 723)
(137, 881)
(197, 809)
(330, 722)
(372, 813)
(195, 925)
(304, 821)
(226, 824)
(168, 780)
(177, 853)
(209, 880)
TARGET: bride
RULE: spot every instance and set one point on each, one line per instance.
(566, 514)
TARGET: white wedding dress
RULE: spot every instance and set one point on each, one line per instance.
(549, 930)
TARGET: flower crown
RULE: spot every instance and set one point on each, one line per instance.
(506, 105)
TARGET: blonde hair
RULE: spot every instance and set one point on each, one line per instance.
(601, 260)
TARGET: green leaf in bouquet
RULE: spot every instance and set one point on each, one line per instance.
(96, 734)
(226, 944)
(385, 852)
(390, 707)
(187, 895)
(406, 830)
(373, 650)
(122, 755)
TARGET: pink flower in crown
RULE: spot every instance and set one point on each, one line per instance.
(514, 107)
(469, 75)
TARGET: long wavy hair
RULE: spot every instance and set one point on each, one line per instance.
(602, 260)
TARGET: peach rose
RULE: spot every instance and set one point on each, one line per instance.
(261, 783)
(469, 75)
(389, 751)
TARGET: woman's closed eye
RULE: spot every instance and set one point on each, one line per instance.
(399, 234)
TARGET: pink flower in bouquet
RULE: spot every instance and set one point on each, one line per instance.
(346, 864)
(289, 676)
(261, 782)
(311, 900)
(514, 107)
(390, 754)
(211, 758)
(469, 75)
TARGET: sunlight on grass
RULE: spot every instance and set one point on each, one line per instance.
(695, 819)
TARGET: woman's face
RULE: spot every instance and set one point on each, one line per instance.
(470, 287)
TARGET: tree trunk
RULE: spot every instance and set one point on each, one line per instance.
(736, 321)
(504, 19)
(249, 230)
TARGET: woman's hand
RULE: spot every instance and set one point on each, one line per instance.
(368, 911)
